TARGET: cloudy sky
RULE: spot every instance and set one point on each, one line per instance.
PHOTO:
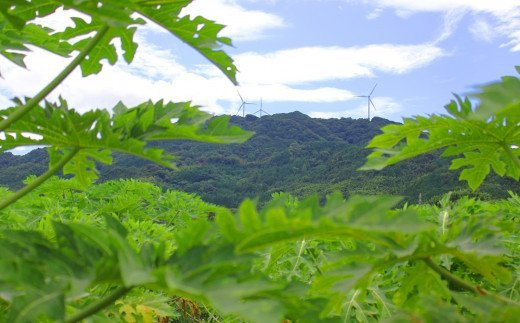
(314, 56)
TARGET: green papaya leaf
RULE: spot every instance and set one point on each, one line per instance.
(119, 16)
(486, 144)
(96, 134)
(500, 99)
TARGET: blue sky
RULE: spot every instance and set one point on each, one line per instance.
(308, 55)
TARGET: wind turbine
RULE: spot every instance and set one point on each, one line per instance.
(242, 106)
(261, 110)
(369, 100)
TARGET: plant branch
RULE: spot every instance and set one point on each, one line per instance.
(445, 274)
(18, 113)
(98, 306)
(39, 180)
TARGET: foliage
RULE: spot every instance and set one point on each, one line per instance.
(114, 19)
(76, 141)
(500, 98)
(127, 251)
(289, 153)
(350, 259)
(486, 137)
(96, 133)
(69, 223)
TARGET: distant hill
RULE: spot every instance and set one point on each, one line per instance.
(290, 152)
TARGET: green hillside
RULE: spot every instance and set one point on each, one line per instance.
(289, 152)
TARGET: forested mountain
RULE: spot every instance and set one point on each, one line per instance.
(289, 152)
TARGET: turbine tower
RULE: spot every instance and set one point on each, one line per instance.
(242, 106)
(261, 110)
(369, 100)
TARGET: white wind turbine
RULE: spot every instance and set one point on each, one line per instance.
(261, 110)
(369, 100)
(243, 105)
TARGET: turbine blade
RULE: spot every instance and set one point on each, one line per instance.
(361, 96)
(241, 99)
(373, 104)
(240, 108)
(373, 90)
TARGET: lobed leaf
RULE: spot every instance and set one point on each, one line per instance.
(120, 18)
(97, 134)
(484, 144)
(499, 99)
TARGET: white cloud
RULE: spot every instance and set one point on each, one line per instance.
(502, 6)
(241, 24)
(269, 93)
(506, 13)
(329, 114)
(154, 74)
(376, 13)
(279, 76)
(284, 93)
(387, 107)
(451, 20)
(4, 101)
(314, 64)
(23, 150)
(512, 29)
(482, 30)
(60, 19)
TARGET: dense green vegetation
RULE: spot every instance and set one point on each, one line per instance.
(290, 153)
(129, 251)
(318, 264)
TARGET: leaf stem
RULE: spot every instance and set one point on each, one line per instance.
(444, 273)
(297, 262)
(39, 180)
(18, 113)
(98, 306)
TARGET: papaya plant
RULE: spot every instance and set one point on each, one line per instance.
(486, 137)
(76, 141)
(125, 250)
(346, 260)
